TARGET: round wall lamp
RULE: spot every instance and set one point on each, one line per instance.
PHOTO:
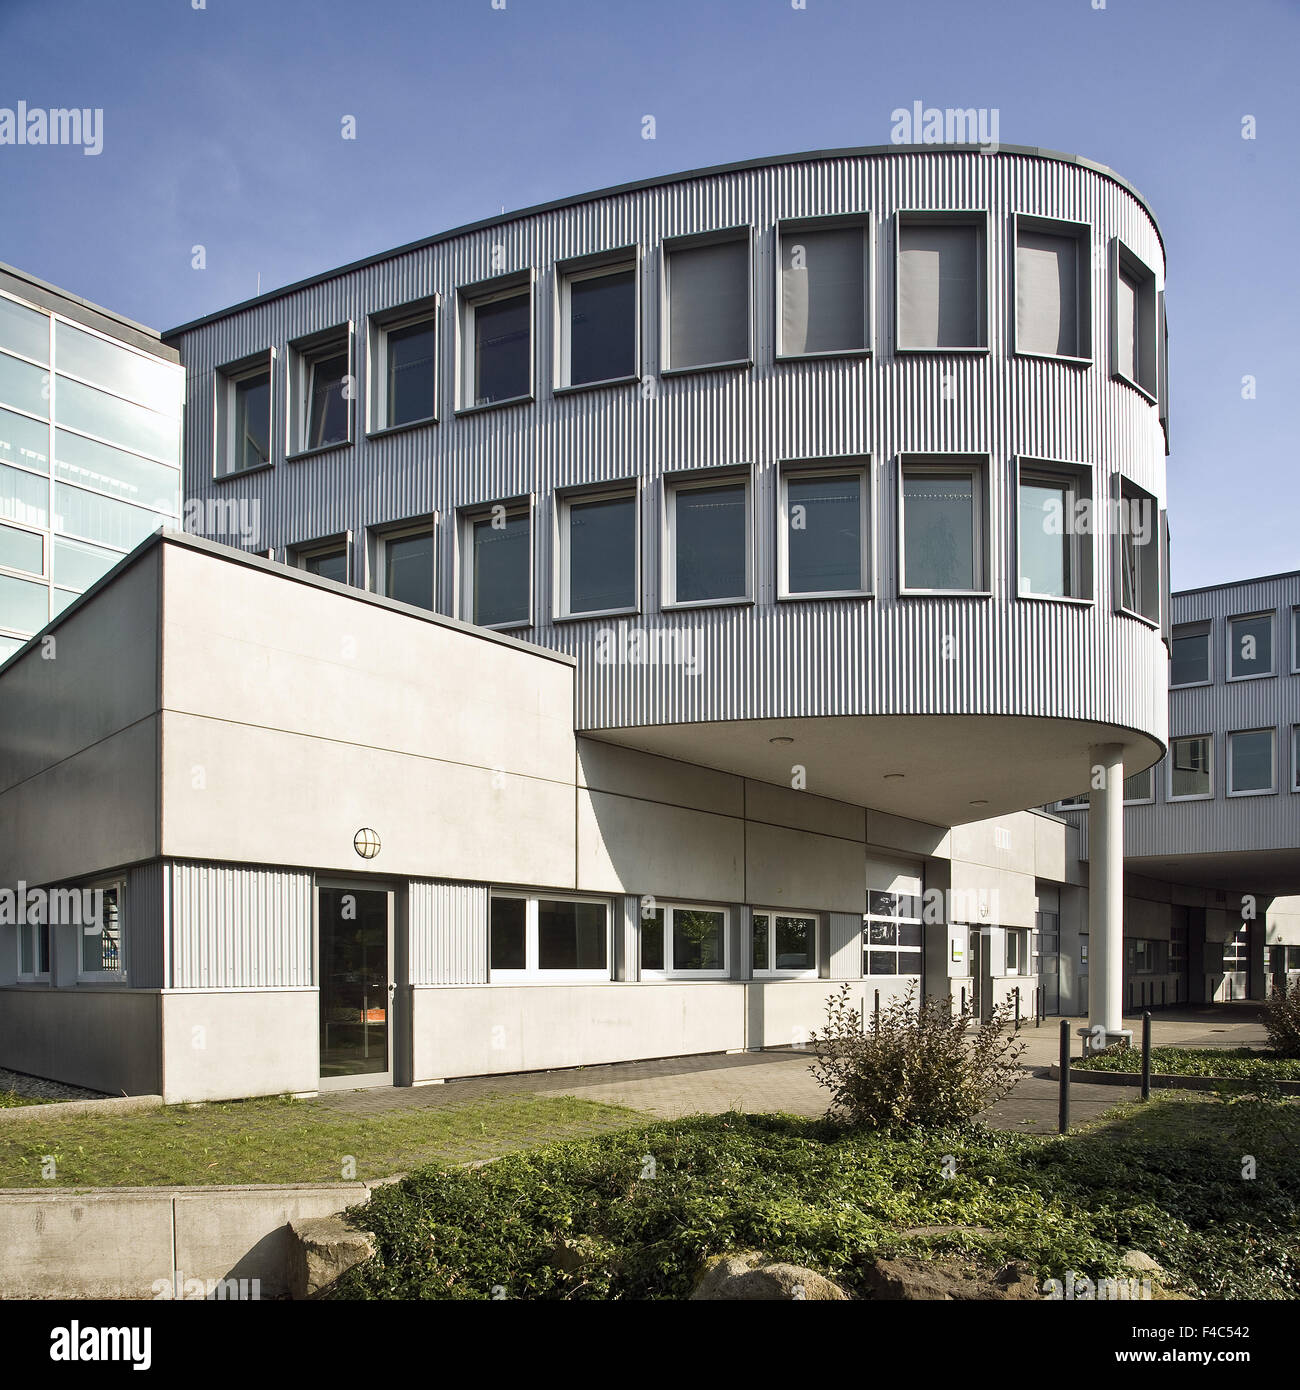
(366, 842)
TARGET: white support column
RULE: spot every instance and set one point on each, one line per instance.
(1106, 893)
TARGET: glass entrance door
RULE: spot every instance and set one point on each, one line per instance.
(355, 986)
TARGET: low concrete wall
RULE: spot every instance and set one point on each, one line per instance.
(135, 1242)
(104, 1039)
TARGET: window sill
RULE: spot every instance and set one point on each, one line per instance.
(1065, 359)
(679, 977)
(1136, 386)
(941, 351)
(574, 389)
(776, 976)
(1191, 685)
(558, 977)
(300, 455)
(945, 593)
(527, 399)
(592, 617)
(739, 364)
(1200, 796)
(1261, 676)
(1263, 791)
(242, 472)
(403, 428)
(859, 352)
(517, 626)
(687, 604)
(828, 594)
(1068, 599)
(1152, 623)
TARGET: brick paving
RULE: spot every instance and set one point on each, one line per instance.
(779, 1080)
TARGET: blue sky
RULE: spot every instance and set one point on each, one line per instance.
(222, 128)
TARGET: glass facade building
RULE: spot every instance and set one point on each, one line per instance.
(90, 438)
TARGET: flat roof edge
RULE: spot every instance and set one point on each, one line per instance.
(44, 287)
(682, 176)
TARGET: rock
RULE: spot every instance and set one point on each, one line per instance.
(940, 1281)
(572, 1255)
(1141, 1262)
(752, 1276)
(320, 1249)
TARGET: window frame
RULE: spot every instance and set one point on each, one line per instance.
(1081, 233)
(1295, 757)
(532, 973)
(771, 972)
(225, 380)
(1082, 480)
(896, 920)
(1174, 740)
(99, 977)
(379, 538)
(948, 464)
(522, 505)
(1021, 936)
(1120, 497)
(378, 327)
(29, 938)
(1270, 614)
(692, 480)
(47, 552)
(469, 299)
(305, 355)
(829, 467)
(1125, 261)
(743, 234)
(936, 217)
(670, 971)
(1204, 628)
(299, 553)
(629, 489)
(864, 221)
(592, 267)
(1271, 789)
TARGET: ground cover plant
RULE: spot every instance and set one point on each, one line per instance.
(1230, 1063)
(633, 1214)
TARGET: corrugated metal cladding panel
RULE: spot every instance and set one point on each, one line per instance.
(845, 945)
(146, 909)
(881, 655)
(241, 928)
(448, 925)
(1271, 702)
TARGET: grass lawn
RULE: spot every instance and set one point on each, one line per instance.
(8, 1099)
(1230, 1063)
(283, 1140)
(647, 1205)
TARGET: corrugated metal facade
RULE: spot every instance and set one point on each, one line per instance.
(448, 933)
(240, 928)
(147, 906)
(881, 655)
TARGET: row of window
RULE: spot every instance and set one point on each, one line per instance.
(823, 310)
(1251, 769)
(824, 541)
(99, 945)
(1249, 649)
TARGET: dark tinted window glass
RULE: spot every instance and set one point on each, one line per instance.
(710, 541)
(938, 530)
(652, 940)
(411, 360)
(502, 348)
(252, 420)
(508, 944)
(328, 418)
(408, 570)
(794, 943)
(602, 555)
(1250, 645)
(329, 564)
(697, 940)
(501, 593)
(824, 545)
(760, 941)
(602, 327)
(1190, 661)
(571, 936)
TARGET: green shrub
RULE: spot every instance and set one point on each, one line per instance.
(1230, 1063)
(1282, 1020)
(916, 1065)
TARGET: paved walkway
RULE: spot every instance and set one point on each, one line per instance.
(780, 1080)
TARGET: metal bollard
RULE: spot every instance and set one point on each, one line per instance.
(1016, 992)
(875, 1023)
(1063, 1113)
(1146, 1055)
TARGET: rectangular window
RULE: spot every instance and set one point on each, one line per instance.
(707, 298)
(24, 386)
(327, 560)
(23, 497)
(1250, 646)
(1017, 951)
(941, 283)
(404, 565)
(101, 948)
(1295, 758)
(1140, 787)
(24, 330)
(784, 942)
(891, 947)
(1134, 353)
(134, 427)
(1236, 951)
(1137, 551)
(22, 550)
(598, 555)
(1053, 309)
(1295, 640)
(404, 367)
(1189, 662)
(1190, 768)
(138, 376)
(1055, 551)
(943, 527)
(78, 565)
(322, 387)
(497, 583)
(34, 951)
(243, 434)
(685, 939)
(1144, 956)
(24, 606)
(1252, 762)
(535, 938)
(24, 442)
(598, 315)
(825, 532)
(87, 463)
(496, 343)
(824, 289)
(708, 542)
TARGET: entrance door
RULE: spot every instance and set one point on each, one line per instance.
(977, 942)
(356, 988)
(1049, 959)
